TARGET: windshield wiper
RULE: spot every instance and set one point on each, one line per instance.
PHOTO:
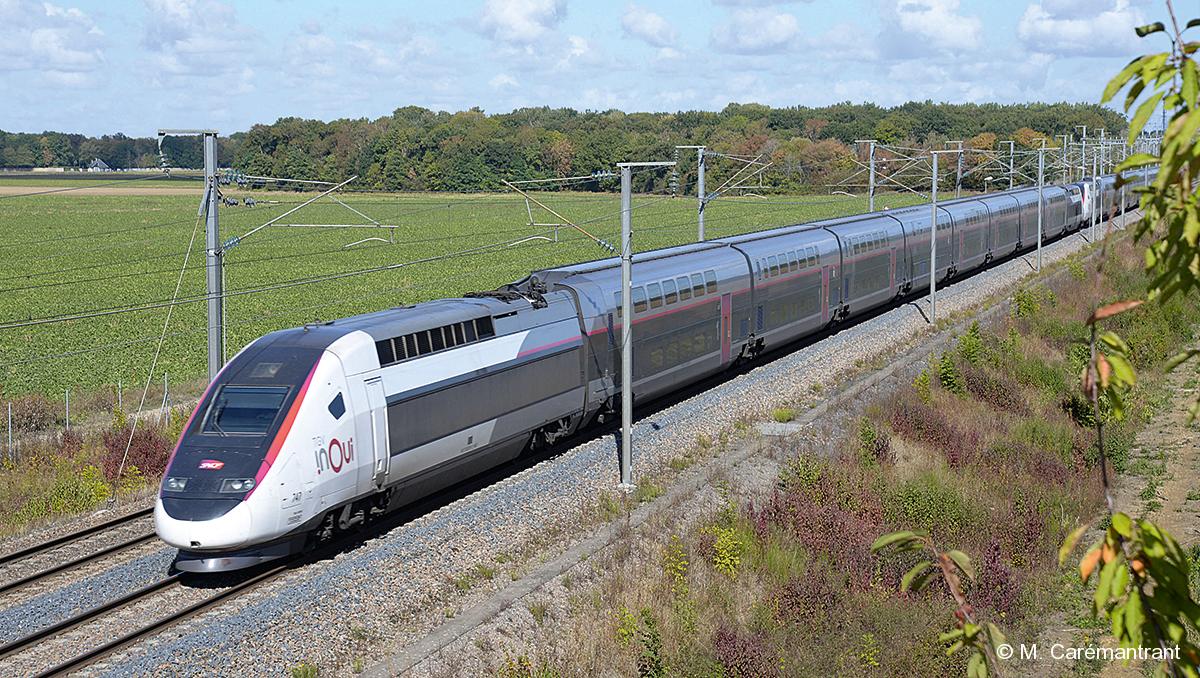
(213, 422)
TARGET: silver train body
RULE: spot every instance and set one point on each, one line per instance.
(315, 429)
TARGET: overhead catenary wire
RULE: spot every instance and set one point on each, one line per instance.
(290, 312)
(151, 305)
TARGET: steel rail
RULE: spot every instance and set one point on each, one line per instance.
(81, 660)
(37, 576)
(14, 646)
(74, 536)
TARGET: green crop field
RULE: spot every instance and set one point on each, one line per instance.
(70, 253)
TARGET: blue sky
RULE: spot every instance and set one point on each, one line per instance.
(134, 66)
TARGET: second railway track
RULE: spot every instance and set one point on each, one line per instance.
(28, 566)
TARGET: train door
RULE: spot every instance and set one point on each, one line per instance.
(892, 269)
(381, 454)
(726, 327)
(824, 294)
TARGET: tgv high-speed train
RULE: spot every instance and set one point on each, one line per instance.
(312, 430)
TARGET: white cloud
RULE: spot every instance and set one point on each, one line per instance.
(196, 38)
(755, 31)
(641, 23)
(1071, 27)
(914, 26)
(756, 3)
(502, 81)
(63, 44)
(520, 21)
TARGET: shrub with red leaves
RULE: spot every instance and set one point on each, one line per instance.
(919, 422)
(995, 585)
(148, 452)
(837, 519)
(990, 389)
(69, 443)
(744, 655)
(808, 597)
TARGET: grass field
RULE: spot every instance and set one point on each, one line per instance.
(71, 252)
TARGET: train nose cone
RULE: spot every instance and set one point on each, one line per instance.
(200, 525)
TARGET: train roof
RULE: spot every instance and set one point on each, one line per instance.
(551, 275)
(396, 321)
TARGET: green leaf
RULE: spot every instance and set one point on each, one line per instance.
(1104, 584)
(1132, 95)
(1070, 543)
(1114, 341)
(963, 561)
(1137, 160)
(1123, 525)
(1189, 88)
(1192, 24)
(976, 666)
(1121, 78)
(1122, 371)
(954, 647)
(1143, 114)
(887, 540)
(950, 635)
(1120, 582)
(1180, 358)
(1135, 617)
(1191, 229)
(1155, 27)
(995, 634)
(916, 570)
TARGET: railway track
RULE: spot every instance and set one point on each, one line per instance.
(17, 559)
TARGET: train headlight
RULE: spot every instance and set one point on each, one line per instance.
(237, 484)
(175, 484)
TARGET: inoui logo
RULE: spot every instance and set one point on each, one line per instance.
(336, 456)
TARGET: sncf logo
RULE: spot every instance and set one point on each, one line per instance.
(336, 456)
(212, 465)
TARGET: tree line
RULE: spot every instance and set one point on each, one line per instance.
(417, 149)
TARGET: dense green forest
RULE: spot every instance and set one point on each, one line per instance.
(418, 149)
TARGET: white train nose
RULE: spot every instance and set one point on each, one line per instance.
(229, 531)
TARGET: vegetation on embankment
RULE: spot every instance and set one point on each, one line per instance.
(66, 473)
(990, 449)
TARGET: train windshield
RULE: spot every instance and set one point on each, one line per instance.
(244, 409)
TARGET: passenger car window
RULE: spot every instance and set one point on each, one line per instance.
(669, 293)
(710, 282)
(773, 263)
(639, 300)
(793, 265)
(685, 290)
(697, 285)
(655, 292)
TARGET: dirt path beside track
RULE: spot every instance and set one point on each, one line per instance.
(102, 190)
